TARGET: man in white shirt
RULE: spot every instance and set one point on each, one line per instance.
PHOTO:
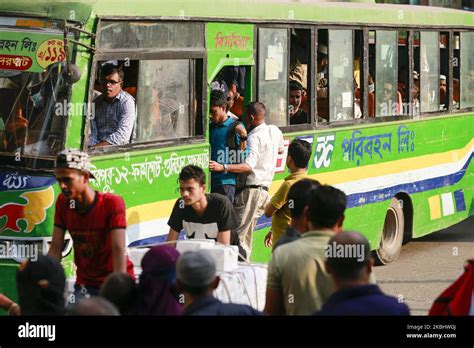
(265, 142)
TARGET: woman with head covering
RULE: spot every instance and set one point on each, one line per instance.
(40, 286)
(156, 291)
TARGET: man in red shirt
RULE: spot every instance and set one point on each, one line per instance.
(95, 221)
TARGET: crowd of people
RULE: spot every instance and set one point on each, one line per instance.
(305, 273)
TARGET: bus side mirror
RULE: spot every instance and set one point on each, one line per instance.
(71, 74)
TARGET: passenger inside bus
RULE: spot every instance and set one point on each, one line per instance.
(323, 82)
(442, 92)
(297, 114)
(300, 56)
(114, 110)
(32, 106)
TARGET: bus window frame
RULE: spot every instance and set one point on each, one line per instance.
(193, 55)
(467, 109)
(8, 160)
(450, 110)
(311, 81)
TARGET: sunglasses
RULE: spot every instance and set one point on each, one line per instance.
(111, 82)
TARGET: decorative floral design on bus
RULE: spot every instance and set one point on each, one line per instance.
(228, 41)
(405, 139)
(357, 145)
(324, 150)
(15, 181)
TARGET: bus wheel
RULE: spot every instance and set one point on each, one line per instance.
(392, 236)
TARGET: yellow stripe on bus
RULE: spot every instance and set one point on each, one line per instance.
(162, 209)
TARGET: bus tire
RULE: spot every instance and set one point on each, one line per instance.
(392, 235)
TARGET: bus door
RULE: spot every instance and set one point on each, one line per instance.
(230, 59)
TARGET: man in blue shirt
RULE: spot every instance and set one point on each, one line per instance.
(349, 262)
(114, 111)
(196, 279)
(228, 142)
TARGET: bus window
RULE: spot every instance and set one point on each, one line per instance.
(403, 71)
(273, 74)
(33, 112)
(358, 73)
(163, 35)
(300, 56)
(429, 71)
(387, 102)
(444, 76)
(163, 100)
(341, 75)
(456, 70)
(322, 74)
(467, 69)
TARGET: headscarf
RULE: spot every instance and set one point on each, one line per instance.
(40, 286)
(156, 291)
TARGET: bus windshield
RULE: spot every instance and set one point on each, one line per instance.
(31, 121)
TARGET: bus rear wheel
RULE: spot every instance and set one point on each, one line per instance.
(392, 236)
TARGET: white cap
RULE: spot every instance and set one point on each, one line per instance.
(323, 49)
(442, 77)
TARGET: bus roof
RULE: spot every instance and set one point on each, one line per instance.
(355, 12)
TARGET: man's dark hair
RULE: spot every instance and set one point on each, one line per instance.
(93, 305)
(257, 109)
(120, 289)
(295, 86)
(348, 266)
(298, 196)
(109, 69)
(326, 205)
(300, 152)
(218, 98)
(193, 172)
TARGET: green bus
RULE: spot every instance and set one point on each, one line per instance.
(388, 91)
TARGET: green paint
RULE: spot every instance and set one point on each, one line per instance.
(150, 175)
(26, 51)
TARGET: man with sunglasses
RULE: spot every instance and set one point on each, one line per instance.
(114, 112)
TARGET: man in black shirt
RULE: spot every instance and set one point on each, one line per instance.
(297, 114)
(201, 215)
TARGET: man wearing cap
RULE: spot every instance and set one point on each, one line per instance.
(95, 220)
(196, 279)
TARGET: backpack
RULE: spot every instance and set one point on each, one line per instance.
(241, 179)
(456, 299)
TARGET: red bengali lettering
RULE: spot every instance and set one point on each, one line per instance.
(12, 62)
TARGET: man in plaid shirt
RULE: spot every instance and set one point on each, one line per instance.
(115, 113)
